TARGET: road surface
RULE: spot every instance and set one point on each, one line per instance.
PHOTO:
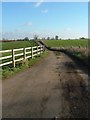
(54, 87)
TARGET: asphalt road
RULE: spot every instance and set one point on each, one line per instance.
(54, 87)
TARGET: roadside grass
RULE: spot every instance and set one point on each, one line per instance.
(81, 53)
(8, 71)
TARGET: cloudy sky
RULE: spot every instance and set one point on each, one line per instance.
(25, 19)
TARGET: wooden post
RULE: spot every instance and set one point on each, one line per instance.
(13, 58)
(24, 53)
(37, 51)
(41, 49)
(32, 52)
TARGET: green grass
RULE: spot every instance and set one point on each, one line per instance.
(66, 43)
(17, 44)
(70, 45)
(9, 71)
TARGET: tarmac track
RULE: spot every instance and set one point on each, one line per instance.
(56, 86)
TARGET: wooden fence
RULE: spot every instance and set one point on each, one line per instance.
(19, 54)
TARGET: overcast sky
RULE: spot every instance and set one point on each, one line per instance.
(25, 19)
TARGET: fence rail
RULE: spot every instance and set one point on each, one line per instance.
(19, 54)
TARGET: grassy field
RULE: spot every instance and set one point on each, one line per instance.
(66, 43)
(17, 44)
(78, 48)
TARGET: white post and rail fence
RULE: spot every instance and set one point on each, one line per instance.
(15, 55)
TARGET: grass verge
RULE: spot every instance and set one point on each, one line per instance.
(8, 71)
(81, 54)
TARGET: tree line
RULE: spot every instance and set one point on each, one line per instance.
(36, 37)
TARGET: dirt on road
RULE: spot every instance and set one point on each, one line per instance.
(55, 87)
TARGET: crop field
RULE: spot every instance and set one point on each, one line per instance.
(66, 43)
(78, 48)
(17, 44)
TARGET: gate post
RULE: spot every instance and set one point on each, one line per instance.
(24, 53)
(32, 52)
(13, 57)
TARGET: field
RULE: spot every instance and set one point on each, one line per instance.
(17, 44)
(66, 43)
(81, 51)
(9, 70)
(78, 48)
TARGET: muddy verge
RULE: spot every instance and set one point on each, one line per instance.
(75, 95)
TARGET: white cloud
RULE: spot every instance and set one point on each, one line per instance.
(38, 3)
(68, 29)
(45, 11)
(45, 0)
(44, 33)
(27, 24)
(17, 35)
(64, 33)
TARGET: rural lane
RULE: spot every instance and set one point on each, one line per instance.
(53, 87)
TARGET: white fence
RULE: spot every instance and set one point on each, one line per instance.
(19, 54)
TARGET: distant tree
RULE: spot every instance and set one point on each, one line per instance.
(56, 37)
(43, 38)
(52, 38)
(48, 38)
(82, 38)
(19, 39)
(35, 37)
(4, 39)
(26, 39)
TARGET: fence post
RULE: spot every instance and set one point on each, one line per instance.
(32, 53)
(13, 58)
(41, 49)
(37, 51)
(24, 53)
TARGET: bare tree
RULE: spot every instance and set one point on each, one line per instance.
(56, 37)
(48, 38)
(36, 37)
(26, 39)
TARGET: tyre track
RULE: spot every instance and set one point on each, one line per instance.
(52, 88)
